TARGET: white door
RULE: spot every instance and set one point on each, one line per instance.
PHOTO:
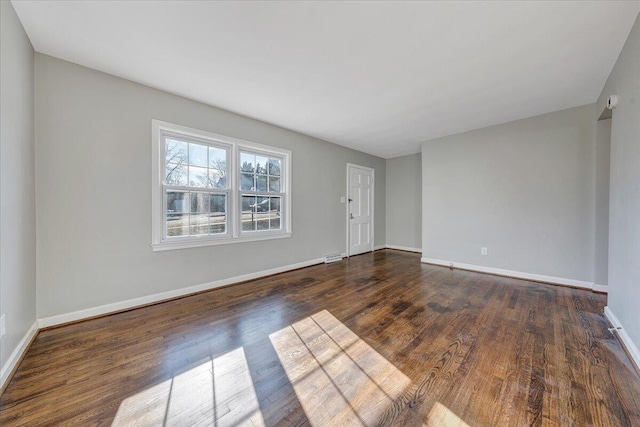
(360, 209)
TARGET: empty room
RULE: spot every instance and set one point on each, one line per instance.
(319, 213)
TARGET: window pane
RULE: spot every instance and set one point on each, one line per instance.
(198, 155)
(261, 164)
(262, 221)
(248, 203)
(218, 167)
(177, 225)
(248, 224)
(274, 167)
(217, 158)
(199, 177)
(199, 202)
(246, 182)
(274, 184)
(262, 213)
(218, 203)
(261, 204)
(248, 213)
(218, 218)
(218, 223)
(274, 214)
(247, 162)
(275, 204)
(177, 202)
(217, 180)
(199, 225)
(175, 151)
(274, 223)
(175, 174)
(261, 183)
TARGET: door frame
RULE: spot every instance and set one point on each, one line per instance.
(373, 183)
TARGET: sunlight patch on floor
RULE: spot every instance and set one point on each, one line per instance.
(338, 378)
(441, 416)
(218, 392)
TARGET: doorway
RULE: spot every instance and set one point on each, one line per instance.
(360, 191)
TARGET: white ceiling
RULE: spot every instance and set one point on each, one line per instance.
(380, 77)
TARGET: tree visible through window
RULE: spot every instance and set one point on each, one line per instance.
(201, 200)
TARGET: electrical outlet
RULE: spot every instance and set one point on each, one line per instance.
(3, 328)
(343, 200)
(484, 251)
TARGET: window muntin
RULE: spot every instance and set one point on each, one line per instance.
(214, 189)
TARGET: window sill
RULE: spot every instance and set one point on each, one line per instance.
(185, 244)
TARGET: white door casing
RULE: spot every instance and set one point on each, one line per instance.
(360, 182)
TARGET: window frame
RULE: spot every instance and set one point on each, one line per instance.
(234, 147)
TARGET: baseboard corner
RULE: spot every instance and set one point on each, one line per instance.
(603, 289)
(16, 357)
(404, 248)
(629, 346)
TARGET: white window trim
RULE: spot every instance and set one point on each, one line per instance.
(234, 233)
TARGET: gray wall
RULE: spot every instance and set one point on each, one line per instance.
(93, 174)
(624, 200)
(17, 183)
(524, 189)
(404, 201)
(603, 148)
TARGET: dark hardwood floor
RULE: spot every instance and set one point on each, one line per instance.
(378, 339)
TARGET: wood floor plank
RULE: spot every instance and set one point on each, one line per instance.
(377, 339)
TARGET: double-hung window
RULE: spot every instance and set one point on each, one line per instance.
(211, 189)
(261, 191)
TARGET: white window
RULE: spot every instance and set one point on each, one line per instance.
(211, 189)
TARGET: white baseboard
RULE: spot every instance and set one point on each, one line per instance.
(632, 349)
(17, 354)
(509, 273)
(60, 319)
(404, 248)
(375, 248)
(601, 288)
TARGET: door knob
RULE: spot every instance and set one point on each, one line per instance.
(351, 215)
